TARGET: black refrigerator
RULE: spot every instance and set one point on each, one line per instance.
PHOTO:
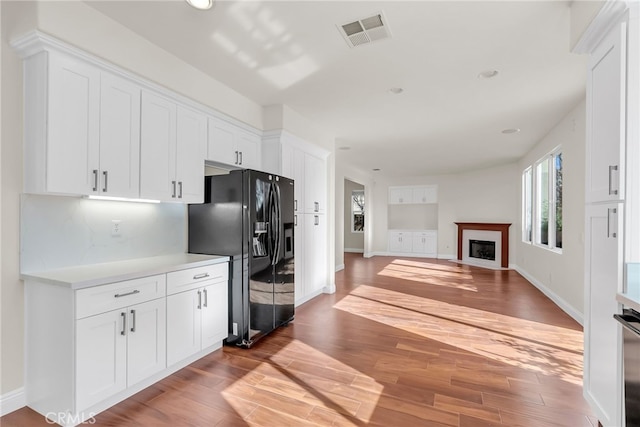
(248, 215)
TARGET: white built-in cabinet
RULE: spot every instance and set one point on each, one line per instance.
(173, 141)
(196, 310)
(413, 194)
(290, 156)
(89, 348)
(604, 225)
(82, 128)
(423, 243)
(232, 145)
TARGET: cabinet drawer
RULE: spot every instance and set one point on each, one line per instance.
(184, 280)
(113, 296)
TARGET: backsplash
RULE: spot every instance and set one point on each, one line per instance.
(58, 231)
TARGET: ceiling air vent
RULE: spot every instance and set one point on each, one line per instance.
(365, 30)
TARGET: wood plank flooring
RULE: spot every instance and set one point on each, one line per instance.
(403, 342)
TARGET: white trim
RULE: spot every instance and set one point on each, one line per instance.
(339, 267)
(446, 256)
(609, 15)
(564, 305)
(404, 254)
(354, 250)
(308, 297)
(329, 289)
(12, 401)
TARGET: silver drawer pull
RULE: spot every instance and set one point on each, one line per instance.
(200, 276)
(206, 300)
(127, 294)
(133, 320)
(124, 323)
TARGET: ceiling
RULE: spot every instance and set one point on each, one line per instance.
(446, 120)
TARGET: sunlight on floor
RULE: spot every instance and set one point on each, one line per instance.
(538, 347)
(431, 274)
(308, 387)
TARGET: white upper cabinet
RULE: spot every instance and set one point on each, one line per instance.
(606, 88)
(62, 113)
(232, 145)
(314, 184)
(119, 171)
(413, 195)
(172, 151)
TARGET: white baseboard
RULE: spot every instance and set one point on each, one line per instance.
(12, 401)
(354, 250)
(565, 306)
(404, 254)
(446, 256)
(329, 289)
(339, 267)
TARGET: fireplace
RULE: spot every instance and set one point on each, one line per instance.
(482, 249)
(484, 244)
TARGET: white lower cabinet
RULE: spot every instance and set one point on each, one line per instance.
(89, 348)
(118, 349)
(418, 243)
(315, 274)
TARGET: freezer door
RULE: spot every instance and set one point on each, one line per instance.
(284, 297)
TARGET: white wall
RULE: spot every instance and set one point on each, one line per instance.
(561, 274)
(488, 195)
(352, 241)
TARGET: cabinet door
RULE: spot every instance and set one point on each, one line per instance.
(248, 145)
(191, 143)
(425, 194)
(73, 126)
(299, 187)
(431, 244)
(119, 137)
(183, 325)
(400, 241)
(215, 314)
(146, 340)
(602, 382)
(158, 148)
(315, 273)
(400, 195)
(221, 142)
(419, 243)
(101, 357)
(287, 169)
(314, 184)
(606, 99)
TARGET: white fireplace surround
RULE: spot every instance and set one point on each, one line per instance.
(487, 235)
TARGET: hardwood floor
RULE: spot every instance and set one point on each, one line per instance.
(415, 342)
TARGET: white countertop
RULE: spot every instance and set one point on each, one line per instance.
(85, 276)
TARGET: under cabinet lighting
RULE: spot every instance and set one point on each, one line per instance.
(122, 199)
(200, 4)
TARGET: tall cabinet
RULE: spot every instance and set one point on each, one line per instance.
(306, 164)
(604, 222)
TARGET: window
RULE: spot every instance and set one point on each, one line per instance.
(357, 211)
(542, 202)
(527, 205)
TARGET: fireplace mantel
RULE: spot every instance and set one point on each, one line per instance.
(503, 228)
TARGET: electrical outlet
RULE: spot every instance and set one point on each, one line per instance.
(235, 329)
(116, 227)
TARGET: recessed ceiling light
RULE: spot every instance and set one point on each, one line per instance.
(344, 148)
(396, 90)
(200, 4)
(488, 74)
(376, 169)
(511, 130)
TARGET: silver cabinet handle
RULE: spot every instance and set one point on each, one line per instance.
(173, 195)
(316, 220)
(610, 213)
(611, 190)
(133, 320)
(199, 300)
(180, 189)
(206, 300)
(295, 205)
(316, 206)
(128, 293)
(240, 152)
(295, 220)
(95, 180)
(124, 323)
(200, 276)
(106, 176)
(237, 157)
